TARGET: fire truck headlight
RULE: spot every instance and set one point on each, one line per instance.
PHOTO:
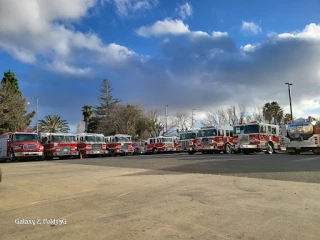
(88, 146)
(191, 143)
(17, 148)
(55, 144)
(235, 140)
(41, 147)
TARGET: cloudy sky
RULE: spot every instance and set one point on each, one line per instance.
(197, 54)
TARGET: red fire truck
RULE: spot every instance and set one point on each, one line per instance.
(256, 137)
(301, 135)
(160, 144)
(62, 145)
(187, 141)
(23, 144)
(119, 144)
(176, 143)
(91, 144)
(216, 139)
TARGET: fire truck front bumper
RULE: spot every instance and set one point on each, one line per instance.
(124, 150)
(65, 154)
(92, 152)
(28, 154)
(248, 146)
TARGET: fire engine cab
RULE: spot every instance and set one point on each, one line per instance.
(62, 145)
(91, 144)
(301, 135)
(216, 139)
(187, 141)
(23, 144)
(256, 137)
(160, 144)
(119, 144)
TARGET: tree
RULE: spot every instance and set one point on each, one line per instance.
(80, 128)
(87, 113)
(182, 120)
(104, 114)
(256, 114)
(272, 112)
(229, 116)
(11, 81)
(53, 124)
(13, 114)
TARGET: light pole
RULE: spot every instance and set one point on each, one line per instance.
(167, 118)
(289, 89)
(192, 119)
(37, 110)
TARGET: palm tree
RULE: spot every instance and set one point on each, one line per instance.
(87, 113)
(267, 112)
(53, 123)
(273, 111)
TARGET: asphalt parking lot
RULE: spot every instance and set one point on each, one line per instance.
(174, 196)
(299, 168)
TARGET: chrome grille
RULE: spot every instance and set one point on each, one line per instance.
(96, 147)
(125, 146)
(244, 139)
(185, 145)
(64, 149)
(30, 146)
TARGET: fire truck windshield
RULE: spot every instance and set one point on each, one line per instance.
(99, 139)
(207, 133)
(89, 138)
(167, 140)
(70, 138)
(246, 129)
(20, 137)
(122, 139)
(58, 138)
(186, 136)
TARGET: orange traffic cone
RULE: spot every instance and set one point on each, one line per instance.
(80, 155)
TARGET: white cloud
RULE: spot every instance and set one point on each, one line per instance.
(165, 27)
(311, 31)
(250, 27)
(184, 10)
(126, 8)
(248, 48)
(23, 55)
(29, 30)
(60, 66)
(220, 34)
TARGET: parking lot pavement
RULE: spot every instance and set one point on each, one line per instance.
(76, 201)
(300, 168)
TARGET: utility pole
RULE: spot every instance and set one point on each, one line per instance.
(192, 126)
(166, 118)
(289, 89)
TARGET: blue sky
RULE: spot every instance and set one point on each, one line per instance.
(188, 54)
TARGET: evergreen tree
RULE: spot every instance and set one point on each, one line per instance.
(13, 114)
(105, 115)
(11, 81)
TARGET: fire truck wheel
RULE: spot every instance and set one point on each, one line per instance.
(154, 150)
(12, 157)
(227, 149)
(269, 149)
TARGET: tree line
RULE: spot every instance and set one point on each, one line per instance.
(111, 116)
